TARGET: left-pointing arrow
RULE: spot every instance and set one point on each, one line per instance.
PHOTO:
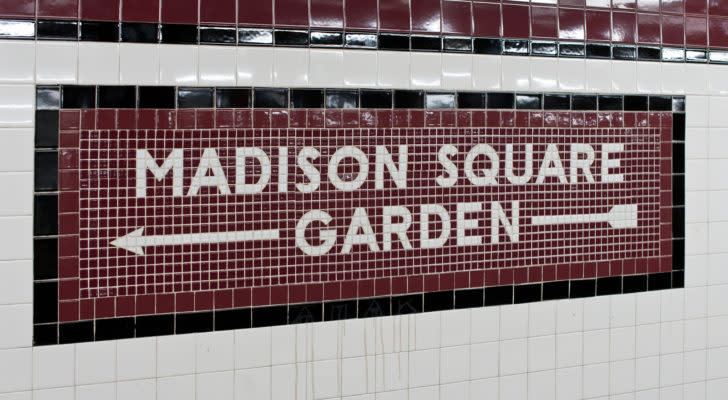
(135, 242)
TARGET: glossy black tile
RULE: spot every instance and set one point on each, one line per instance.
(609, 285)
(114, 328)
(439, 301)
(75, 332)
(269, 316)
(291, 38)
(469, 298)
(193, 322)
(407, 304)
(255, 36)
(583, 102)
(233, 98)
(487, 46)
(556, 290)
(673, 55)
(598, 50)
(45, 214)
(156, 97)
(678, 157)
(648, 53)
(45, 258)
(45, 334)
(137, 32)
(678, 126)
(336, 98)
(696, 56)
(498, 295)
(426, 43)
(678, 279)
(557, 102)
(634, 283)
(226, 320)
(544, 49)
(305, 313)
(46, 129)
(78, 96)
(526, 293)
(660, 103)
(117, 96)
(678, 104)
(440, 100)
(154, 325)
(678, 190)
(635, 103)
(610, 102)
(178, 34)
(327, 39)
(394, 42)
(501, 100)
(375, 98)
(57, 30)
(361, 40)
(338, 310)
(515, 46)
(46, 170)
(624, 53)
(214, 35)
(374, 307)
(475, 100)
(525, 101)
(307, 98)
(678, 229)
(17, 29)
(678, 252)
(572, 50)
(95, 31)
(409, 99)
(45, 302)
(47, 97)
(197, 97)
(270, 98)
(582, 288)
(457, 45)
(659, 281)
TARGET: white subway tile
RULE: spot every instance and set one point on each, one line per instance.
(486, 72)
(98, 63)
(514, 387)
(53, 366)
(425, 70)
(136, 358)
(596, 313)
(326, 68)
(514, 321)
(716, 389)
(695, 334)
(455, 327)
(178, 65)
(326, 379)
(596, 380)
(291, 67)
(542, 385)
(98, 391)
(255, 66)
(515, 74)
(569, 349)
(572, 74)
(16, 370)
(622, 343)
(16, 282)
(622, 311)
(671, 369)
(215, 351)
(454, 364)
(622, 376)
(514, 356)
(569, 316)
(541, 353)
(138, 64)
(599, 76)
(217, 385)
(624, 76)
(393, 69)
(484, 360)
(180, 387)
(175, 355)
(16, 106)
(596, 346)
(217, 65)
(460, 390)
(425, 393)
(694, 366)
(484, 324)
(423, 367)
(353, 376)
(428, 331)
(672, 78)
(484, 389)
(648, 307)
(56, 62)
(64, 393)
(16, 150)
(18, 63)
(282, 382)
(717, 79)
(16, 329)
(95, 362)
(252, 348)
(253, 384)
(136, 390)
(544, 74)
(457, 71)
(18, 200)
(648, 340)
(569, 383)
(648, 373)
(648, 77)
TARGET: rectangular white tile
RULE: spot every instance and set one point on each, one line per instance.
(16, 106)
(98, 63)
(18, 63)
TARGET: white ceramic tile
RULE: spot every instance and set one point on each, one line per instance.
(648, 373)
(396, 368)
(136, 359)
(217, 65)
(16, 282)
(569, 383)
(215, 351)
(423, 367)
(484, 324)
(622, 311)
(216, 385)
(596, 313)
(56, 62)
(718, 116)
(624, 76)
(326, 379)
(425, 393)
(98, 63)
(569, 347)
(696, 239)
(541, 353)
(98, 391)
(393, 69)
(596, 346)
(599, 76)
(175, 355)
(16, 106)
(514, 321)
(326, 68)
(514, 387)
(53, 366)
(360, 68)
(622, 343)
(353, 376)
(544, 74)
(717, 77)
(717, 363)
(454, 364)
(697, 275)
(695, 366)
(253, 384)
(180, 387)
(622, 376)
(671, 337)
(716, 389)
(255, 66)
(572, 74)
(283, 344)
(569, 316)
(325, 340)
(515, 73)
(672, 78)
(19, 201)
(647, 340)
(542, 318)
(64, 393)
(460, 390)
(16, 149)
(138, 64)
(648, 307)
(671, 369)
(18, 64)
(697, 207)
(252, 348)
(651, 394)
(136, 390)
(281, 376)
(695, 334)
(455, 328)
(542, 385)
(16, 370)
(178, 65)
(484, 360)
(484, 389)
(457, 71)
(716, 331)
(425, 70)
(596, 380)
(486, 72)
(514, 356)
(95, 362)
(694, 391)
(648, 77)
(672, 305)
(428, 330)
(15, 238)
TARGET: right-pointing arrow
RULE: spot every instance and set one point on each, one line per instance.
(622, 216)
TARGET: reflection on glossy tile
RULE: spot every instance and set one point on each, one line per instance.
(138, 64)
(326, 67)
(56, 62)
(178, 65)
(486, 72)
(98, 63)
(291, 67)
(255, 66)
(457, 71)
(426, 70)
(360, 68)
(16, 106)
(516, 73)
(217, 65)
(648, 77)
(18, 63)
(599, 75)
(544, 74)
(572, 74)
(394, 69)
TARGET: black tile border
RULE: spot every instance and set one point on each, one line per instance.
(132, 32)
(50, 99)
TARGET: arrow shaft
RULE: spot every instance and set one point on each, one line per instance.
(569, 219)
(203, 238)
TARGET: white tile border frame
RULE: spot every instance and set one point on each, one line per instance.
(386, 342)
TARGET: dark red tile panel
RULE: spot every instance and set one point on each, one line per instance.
(516, 21)
(61, 9)
(598, 25)
(394, 15)
(624, 27)
(648, 28)
(457, 18)
(426, 15)
(571, 24)
(222, 12)
(140, 10)
(100, 10)
(487, 19)
(718, 32)
(673, 30)
(361, 14)
(544, 22)
(327, 14)
(255, 13)
(696, 31)
(17, 8)
(292, 13)
(180, 11)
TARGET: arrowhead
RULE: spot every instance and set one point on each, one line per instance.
(623, 216)
(131, 242)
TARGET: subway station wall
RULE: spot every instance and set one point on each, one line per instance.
(324, 199)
